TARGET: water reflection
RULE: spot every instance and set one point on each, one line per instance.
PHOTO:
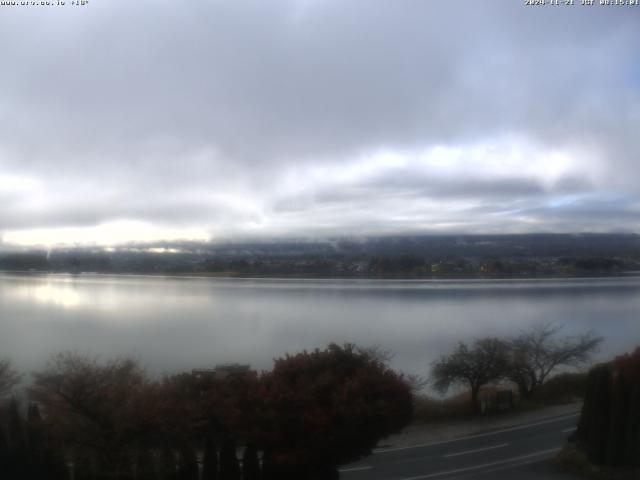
(63, 296)
(58, 293)
(178, 323)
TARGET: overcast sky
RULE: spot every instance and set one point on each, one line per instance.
(152, 119)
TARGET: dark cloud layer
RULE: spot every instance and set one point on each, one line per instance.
(315, 117)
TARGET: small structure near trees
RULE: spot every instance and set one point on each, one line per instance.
(221, 371)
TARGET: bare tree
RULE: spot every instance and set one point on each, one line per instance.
(416, 383)
(9, 377)
(536, 353)
(98, 408)
(483, 363)
(378, 353)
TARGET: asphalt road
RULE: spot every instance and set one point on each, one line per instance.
(517, 452)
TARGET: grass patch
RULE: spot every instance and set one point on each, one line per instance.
(428, 409)
(561, 389)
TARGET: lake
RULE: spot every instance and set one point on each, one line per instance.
(178, 323)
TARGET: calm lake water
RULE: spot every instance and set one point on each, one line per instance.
(173, 324)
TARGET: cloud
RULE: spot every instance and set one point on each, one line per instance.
(290, 117)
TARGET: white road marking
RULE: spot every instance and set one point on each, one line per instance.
(355, 469)
(502, 445)
(567, 430)
(479, 435)
(502, 468)
(484, 465)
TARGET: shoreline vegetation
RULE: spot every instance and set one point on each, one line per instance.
(425, 257)
(386, 277)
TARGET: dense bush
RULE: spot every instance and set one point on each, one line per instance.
(330, 407)
(562, 388)
(609, 427)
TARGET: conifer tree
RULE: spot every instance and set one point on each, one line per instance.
(166, 465)
(4, 455)
(250, 464)
(18, 460)
(229, 468)
(210, 460)
(144, 464)
(188, 464)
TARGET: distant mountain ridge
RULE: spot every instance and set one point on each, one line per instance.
(348, 256)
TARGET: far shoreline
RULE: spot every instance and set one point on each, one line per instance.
(312, 277)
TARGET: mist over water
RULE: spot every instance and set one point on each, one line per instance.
(172, 324)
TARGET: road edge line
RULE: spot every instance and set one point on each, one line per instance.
(484, 465)
(477, 435)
